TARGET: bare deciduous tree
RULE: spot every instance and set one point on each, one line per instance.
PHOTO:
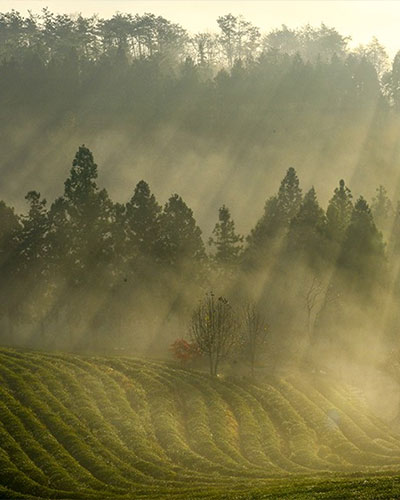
(317, 297)
(214, 329)
(313, 296)
(254, 333)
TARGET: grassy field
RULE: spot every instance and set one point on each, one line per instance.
(91, 428)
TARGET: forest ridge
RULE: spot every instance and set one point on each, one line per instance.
(86, 272)
(147, 96)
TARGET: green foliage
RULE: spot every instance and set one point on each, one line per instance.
(180, 240)
(143, 220)
(306, 236)
(363, 250)
(225, 240)
(89, 428)
(381, 209)
(278, 212)
(338, 213)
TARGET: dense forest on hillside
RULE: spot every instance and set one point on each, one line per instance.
(217, 118)
(188, 112)
(88, 273)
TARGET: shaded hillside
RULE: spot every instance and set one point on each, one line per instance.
(75, 427)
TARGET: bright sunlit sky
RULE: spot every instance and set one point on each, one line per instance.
(360, 19)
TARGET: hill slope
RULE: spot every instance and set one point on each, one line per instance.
(75, 427)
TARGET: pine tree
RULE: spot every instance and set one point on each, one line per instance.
(80, 187)
(306, 236)
(382, 209)
(89, 213)
(289, 196)
(33, 261)
(9, 228)
(338, 214)
(181, 242)
(394, 238)
(363, 251)
(10, 292)
(143, 220)
(278, 212)
(33, 248)
(225, 240)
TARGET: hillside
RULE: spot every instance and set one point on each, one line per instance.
(77, 427)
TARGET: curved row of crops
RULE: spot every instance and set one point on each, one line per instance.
(75, 427)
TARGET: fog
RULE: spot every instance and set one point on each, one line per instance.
(108, 126)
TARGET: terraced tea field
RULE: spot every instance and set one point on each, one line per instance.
(90, 428)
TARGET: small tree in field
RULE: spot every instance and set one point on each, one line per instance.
(254, 334)
(214, 329)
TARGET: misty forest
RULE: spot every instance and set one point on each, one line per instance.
(199, 261)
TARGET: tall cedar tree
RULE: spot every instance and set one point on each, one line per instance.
(10, 234)
(143, 220)
(363, 251)
(32, 251)
(306, 236)
(382, 209)
(225, 240)
(278, 212)
(181, 243)
(338, 214)
(394, 239)
(89, 215)
(33, 260)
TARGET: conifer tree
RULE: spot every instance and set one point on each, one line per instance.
(306, 235)
(10, 231)
(143, 219)
(382, 209)
(89, 213)
(363, 251)
(278, 212)
(32, 248)
(394, 238)
(33, 261)
(181, 241)
(225, 240)
(339, 212)
(289, 196)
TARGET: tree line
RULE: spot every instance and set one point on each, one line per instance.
(166, 97)
(89, 273)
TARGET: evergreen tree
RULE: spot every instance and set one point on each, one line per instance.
(289, 196)
(225, 240)
(9, 229)
(382, 209)
(393, 83)
(363, 251)
(278, 212)
(33, 261)
(394, 238)
(181, 242)
(306, 235)
(89, 213)
(32, 250)
(143, 220)
(339, 212)
(10, 292)
(267, 227)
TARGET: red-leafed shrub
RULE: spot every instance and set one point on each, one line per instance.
(184, 351)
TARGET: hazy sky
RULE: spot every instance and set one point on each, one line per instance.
(360, 19)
